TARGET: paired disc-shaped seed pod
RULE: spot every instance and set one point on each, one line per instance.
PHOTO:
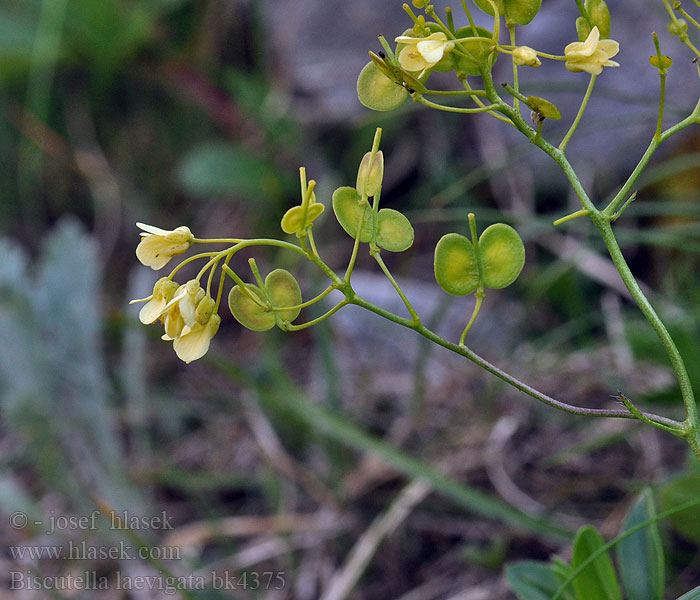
(494, 262)
(279, 291)
(377, 91)
(388, 228)
(520, 12)
(600, 17)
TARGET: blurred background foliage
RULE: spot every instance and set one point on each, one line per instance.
(352, 457)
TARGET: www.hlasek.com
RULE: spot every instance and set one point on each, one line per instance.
(168, 584)
(84, 551)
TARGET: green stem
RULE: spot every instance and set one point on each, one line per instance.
(399, 291)
(455, 109)
(308, 303)
(516, 84)
(626, 189)
(577, 120)
(691, 424)
(316, 321)
(354, 298)
(480, 295)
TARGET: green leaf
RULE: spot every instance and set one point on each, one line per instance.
(349, 209)
(456, 267)
(679, 491)
(640, 556)
(502, 255)
(598, 579)
(376, 91)
(394, 231)
(531, 580)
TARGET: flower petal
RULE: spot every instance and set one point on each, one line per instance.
(151, 229)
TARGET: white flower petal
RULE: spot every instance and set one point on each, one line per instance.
(151, 229)
(151, 311)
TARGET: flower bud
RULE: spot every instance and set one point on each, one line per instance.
(204, 310)
(369, 179)
(525, 56)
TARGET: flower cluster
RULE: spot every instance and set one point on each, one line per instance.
(187, 312)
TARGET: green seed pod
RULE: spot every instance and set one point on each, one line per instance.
(394, 231)
(247, 312)
(495, 263)
(369, 180)
(481, 54)
(665, 62)
(294, 221)
(456, 267)
(502, 255)
(678, 27)
(521, 12)
(543, 107)
(583, 29)
(376, 91)
(349, 209)
(600, 15)
(282, 289)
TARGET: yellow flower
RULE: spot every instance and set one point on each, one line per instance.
(156, 303)
(592, 55)
(193, 342)
(180, 311)
(420, 54)
(525, 57)
(158, 246)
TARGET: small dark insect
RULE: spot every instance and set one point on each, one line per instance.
(381, 54)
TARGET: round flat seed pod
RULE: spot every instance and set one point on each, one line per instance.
(394, 231)
(283, 290)
(248, 313)
(502, 255)
(349, 210)
(521, 12)
(293, 220)
(480, 50)
(456, 269)
(376, 91)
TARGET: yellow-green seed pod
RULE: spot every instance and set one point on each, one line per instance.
(376, 91)
(282, 289)
(583, 29)
(293, 220)
(502, 255)
(369, 179)
(349, 210)
(678, 27)
(665, 63)
(481, 55)
(394, 231)
(204, 310)
(543, 107)
(521, 12)
(456, 267)
(249, 313)
(600, 16)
